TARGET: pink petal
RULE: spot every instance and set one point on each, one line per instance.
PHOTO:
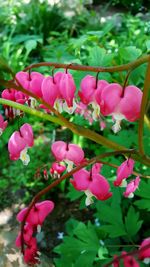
(100, 187)
(124, 171)
(67, 88)
(15, 145)
(81, 180)
(27, 134)
(49, 90)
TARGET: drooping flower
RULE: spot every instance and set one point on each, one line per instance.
(129, 261)
(67, 88)
(16, 96)
(3, 124)
(27, 235)
(120, 103)
(31, 252)
(19, 143)
(123, 172)
(57, 168)
(37, 214)
(90, 88)
(131, 187)
(31, 81)
(116, 262)
(144, 254)
(68, 153)
(93, 184)
(49, 90)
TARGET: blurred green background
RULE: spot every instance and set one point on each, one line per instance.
(98, 33)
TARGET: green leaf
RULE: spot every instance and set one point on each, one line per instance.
(143, 204)
(111, 215)
(129, 53)
(132, 222)
(99, 57)
(144, 189)
(30, 45)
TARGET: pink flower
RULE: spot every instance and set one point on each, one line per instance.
(67, 88)
(69, 153)
(129, 261)
(93, 184)
(19, 143)
(3, 124)
(121, 105)
(30, 253)
(57, 168)
(49, 90)
(31, 81)
(116, 262)
(16, 96)
(131, 187)
(37, 214)
(27, 235)
(124, 171)
(96, 168)
(144, 254)
(89, 88)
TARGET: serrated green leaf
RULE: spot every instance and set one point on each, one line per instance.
(132, 222)
(143, 204)
(99, 57)
(111, 214)
(87, 234)
(144, 189)
(129, 53)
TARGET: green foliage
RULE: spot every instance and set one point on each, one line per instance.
(143, 193)
(80, 248)
(132, 222)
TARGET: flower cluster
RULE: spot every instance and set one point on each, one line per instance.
(34, 221)
(95, 99)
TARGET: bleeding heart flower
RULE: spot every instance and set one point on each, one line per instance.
(131, 187)
(49, 90)
(93, 184)
(129, 261)
(16, 96)
(120, 103)
(19, 143)
(31, 81)
(123, 172)
(3, 124)
(144, 254)
(30, 253)
(27, 235)
(116, 262)
(37, 214)
(68, 153)
(88, 93)
(67, 88)
(89, 88)
(57, 169)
